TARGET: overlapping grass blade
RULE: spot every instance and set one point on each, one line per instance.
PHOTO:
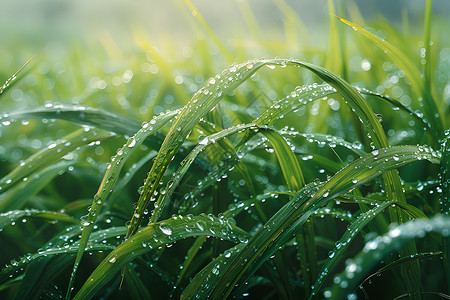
(78, 114)
(15, 197)
(61, 246)
(153, 236)
(13, 215)
(373, 252)
(207, 97)
(50, 155)
(293, 215)
(431, 109)
(335, 254)
(110, 178)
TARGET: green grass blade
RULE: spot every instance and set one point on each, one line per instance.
(357, 268)
(202, 102)
(431, 108)
(192, 252)
(78, 114)
(109, 181)
(15, 197)
(154, 236)
(287, 160)
(354, 228)
(59, 246)
(13, 215)
(50, 155)
(292, 216)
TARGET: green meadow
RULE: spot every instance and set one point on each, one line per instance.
(284, 163)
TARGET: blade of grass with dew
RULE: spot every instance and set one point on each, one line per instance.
(335, 255)
(357, 268)
(374, 130)
(294, 214)
(153, 236)
(50, 155)
(125, 180)
(417, 115)
(59, 246)
(445, 200)
(287, 160)
(38, 274)
(15, 197)
(83, 115)
(412, 73)
(202, 102)
(12, 79)
(300, 96)
(164, 197)
(11, 216)
(109, 181)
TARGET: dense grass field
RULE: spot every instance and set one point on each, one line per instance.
(207, 172)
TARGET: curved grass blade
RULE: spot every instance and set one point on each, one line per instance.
(202, 102)
(78, 114)
(13, 215)
(290, 168)
(51, 154)
(109, 181)
(412, 73)
(15, 197)
(288, 162)
(294, 214)
(343, 243)
(418, 115)
(61, 246)
(166, 193)
(357, 268)
(207, 97)
(154, 236)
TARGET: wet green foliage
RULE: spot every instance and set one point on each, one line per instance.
(271, 178)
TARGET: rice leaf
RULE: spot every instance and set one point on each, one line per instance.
(50, 155)
(373, 252)
(294, 214)
(15, 197)
(84, 115)
(13, 215)
(153, 236)
(431, 109)
(335, 254)
(109, 181)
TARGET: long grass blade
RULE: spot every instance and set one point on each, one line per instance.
(432, 111)
(398, 236)
(78, 114)
(153, 236)
(293, 215)
(109, 181)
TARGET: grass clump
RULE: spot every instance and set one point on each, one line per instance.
(276, 178)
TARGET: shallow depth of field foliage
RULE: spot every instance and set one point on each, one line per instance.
(208, 172)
